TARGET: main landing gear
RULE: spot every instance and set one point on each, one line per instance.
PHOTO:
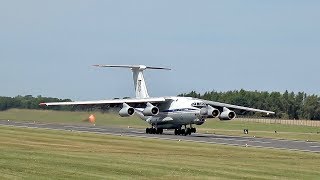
(179, 131)
(154, 131)
(184, 132)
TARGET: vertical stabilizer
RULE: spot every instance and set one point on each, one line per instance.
(138, 78)
(139, 83)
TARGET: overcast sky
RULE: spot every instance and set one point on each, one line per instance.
(47, 47)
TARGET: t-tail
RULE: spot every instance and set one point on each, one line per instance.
(138, 78)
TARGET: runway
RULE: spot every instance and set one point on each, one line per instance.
(168, 135)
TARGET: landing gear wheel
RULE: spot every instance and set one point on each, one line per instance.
(183, 132)
(193, 130)
(153, 131)
(159, 131)
(188, 132)
(177, 132)
(147, 130)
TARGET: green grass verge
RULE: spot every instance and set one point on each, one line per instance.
(66, 117)
(49, 154)
(293, 132)
(211, 126)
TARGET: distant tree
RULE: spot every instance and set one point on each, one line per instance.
(286, 105)
(30, 102)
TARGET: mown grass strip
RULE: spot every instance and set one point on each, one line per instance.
(35, 153)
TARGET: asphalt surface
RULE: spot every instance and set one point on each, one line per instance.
(292, 145)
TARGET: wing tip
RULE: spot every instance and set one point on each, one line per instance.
(96, 65)
(42, 104)
(270, 113)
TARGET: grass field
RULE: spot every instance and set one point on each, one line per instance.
(300, 122)
(234, 127)
(50, 154)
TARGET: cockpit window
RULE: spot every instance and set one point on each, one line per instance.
(198, 104)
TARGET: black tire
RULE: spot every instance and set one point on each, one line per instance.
(178, 131)
(159, 131)
(183, 132)
(188, 132)
(154, 131)
(147, 130)
(175, 132)
(193, 130)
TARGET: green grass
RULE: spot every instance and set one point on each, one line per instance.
(211, 126)
(49, 154)
(235, 127)
(66, 117)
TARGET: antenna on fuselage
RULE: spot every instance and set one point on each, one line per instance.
(138, 78)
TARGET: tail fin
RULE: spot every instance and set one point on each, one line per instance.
(138, 78)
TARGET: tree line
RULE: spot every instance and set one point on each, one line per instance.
(286, 105)
(29, 102)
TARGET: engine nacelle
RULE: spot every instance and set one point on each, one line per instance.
(227, 114)
(126, 110)
(150, 110)
(213, 112)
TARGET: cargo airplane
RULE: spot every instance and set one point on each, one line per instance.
(178, 113)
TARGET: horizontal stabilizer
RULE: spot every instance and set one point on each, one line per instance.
(138, 78)
(141, 67)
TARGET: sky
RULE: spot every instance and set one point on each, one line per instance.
(47, 47)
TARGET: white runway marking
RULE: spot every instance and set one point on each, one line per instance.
(138, 132)
(263, 142)
(95, 128)
(76, 127)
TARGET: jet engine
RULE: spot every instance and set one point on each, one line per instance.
(150, 110)
(227, 114)
(212, 112)
(126, 110)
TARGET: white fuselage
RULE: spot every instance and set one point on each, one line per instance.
(176, 112)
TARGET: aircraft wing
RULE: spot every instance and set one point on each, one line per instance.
(102, 102)
(230, 106)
